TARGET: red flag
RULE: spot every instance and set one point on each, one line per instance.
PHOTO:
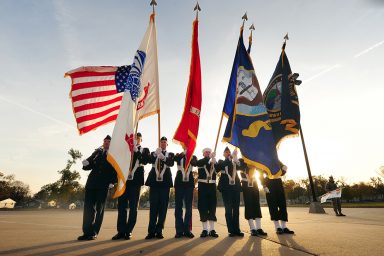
(186, 133)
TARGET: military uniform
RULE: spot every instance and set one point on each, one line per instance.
(160, 182)
(251, 195)
(230, 187)
(207, 195)
(96, 191)
(336, 202)
(130, 198)
(184, 186)
(276, 199)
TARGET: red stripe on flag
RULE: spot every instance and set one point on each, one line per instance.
(85, 85)
(97, 104)
(91, 73)
(93, 95)
(95, 125)
(96, 115)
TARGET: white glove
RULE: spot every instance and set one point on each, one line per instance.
(284, 168)
(212, 155)
(266, 190)
(111, 186)
(135, 148)
(185, 151)
(213, 160)
(234, 155)
(161, 156)
(158, 151)
(85, 163)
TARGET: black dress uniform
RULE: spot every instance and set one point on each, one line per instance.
(207, 190)
(96, 191)
(276, 199)
(250, 194)
(160, 182)
(184, 185)
(230, 187)
(130, 198)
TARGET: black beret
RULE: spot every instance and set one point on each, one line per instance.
(227, 149)
(138, 134)
(164, 138)
(107, 137)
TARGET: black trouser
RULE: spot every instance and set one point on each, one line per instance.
(276, 200)
(207, 202)
(183, 194)
(251, 202)
(231, 200)
(94, 203)
(336, 202)
(130, 199)
(158, 199)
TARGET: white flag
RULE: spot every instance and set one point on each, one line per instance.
(333, 194)
(149, 102)
(121, 149)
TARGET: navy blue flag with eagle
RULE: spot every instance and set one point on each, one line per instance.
(282, 101)
(249, 127)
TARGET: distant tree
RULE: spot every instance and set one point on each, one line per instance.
(67, 189)
(12, 188)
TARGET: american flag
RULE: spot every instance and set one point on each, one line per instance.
(96, 94)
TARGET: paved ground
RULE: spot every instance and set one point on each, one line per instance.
(54, 232)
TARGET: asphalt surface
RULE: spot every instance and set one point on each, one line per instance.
(54, 232)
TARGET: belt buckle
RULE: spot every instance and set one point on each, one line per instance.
(159, 178)
(232, 182)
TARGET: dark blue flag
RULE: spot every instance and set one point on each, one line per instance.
(249, 127)
(282, 101)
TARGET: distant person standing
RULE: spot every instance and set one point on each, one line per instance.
(101, 178)
(336, 202)
(130, 198)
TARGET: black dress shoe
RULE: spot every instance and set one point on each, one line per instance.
(253, 232)
(213, 233)
(159, 235)
(86, 238)
(241, 234)
(279, 231)
(118, 236)
(343, 215)
(204, 233)
(232, 235)
(189, 235)
(287, 231)
(179, 235)
(261, 232)
(150, 236)
(127, 236)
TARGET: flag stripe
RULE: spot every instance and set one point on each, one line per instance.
(95, 105)
(88, 103)
(92, 83)
(93, 95)
(95, 125)
(96, 120)
(92, 90)
(90, 73)
(96, 115)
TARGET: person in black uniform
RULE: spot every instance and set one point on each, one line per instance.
(230, 187)
(207, 192)
(251, 199)
(131, 195)
(277, 205)
(159, 181)
(184, 186)
(101, 178)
